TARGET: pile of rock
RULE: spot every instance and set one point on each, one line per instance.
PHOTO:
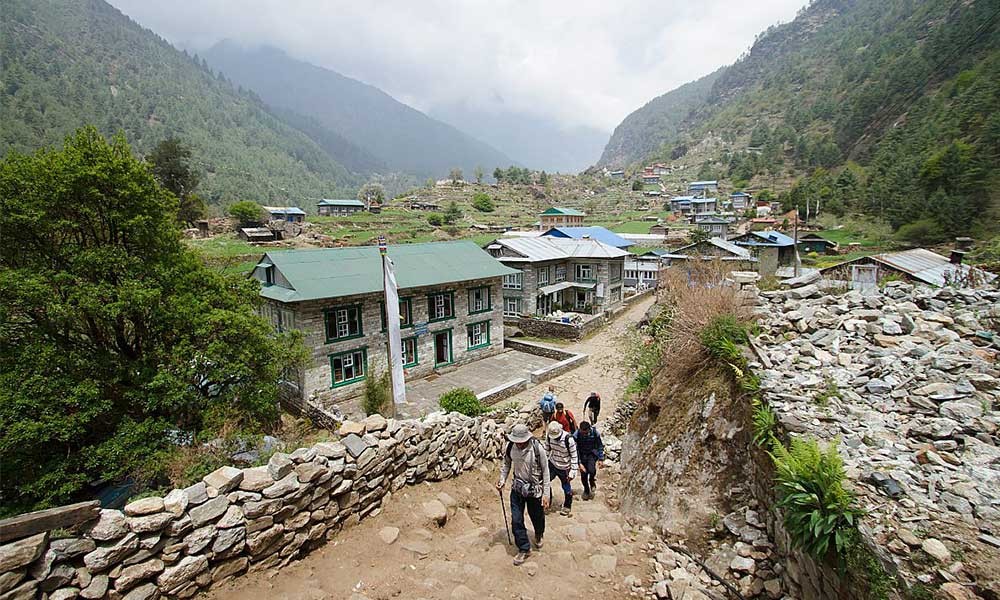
(674, 575)
(908, 380)
(239, 520)
(617, 423)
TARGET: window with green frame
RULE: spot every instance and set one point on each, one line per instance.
(410, 356)
(441, 306)
(480, 300)
(405, 313)
(348, 367)
(478, 335)
(343, 323)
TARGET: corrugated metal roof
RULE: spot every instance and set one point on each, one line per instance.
(326, 202)
(556, 210)
(736, 251)
(562, 285)
(594, 232)
(553, 248)
(284, 210)
(702, 183)
(703, 200)
(929, 267)
(768, 238)
(336, 272)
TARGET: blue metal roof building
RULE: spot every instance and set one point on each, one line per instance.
(594, 232)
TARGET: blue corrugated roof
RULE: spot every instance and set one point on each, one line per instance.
(284, 210)
(328, 202)
(595, 232)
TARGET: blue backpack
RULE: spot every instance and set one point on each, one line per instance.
(548, 403)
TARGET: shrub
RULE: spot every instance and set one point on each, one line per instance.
(637, 186)
(376, 398)
(722, 336)
(819, 513)
(481, 202)
(435, 219)
(462, 400)
(246, 212)
(764, 421)
(924, 231)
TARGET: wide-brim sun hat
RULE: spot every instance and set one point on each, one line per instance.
(554, 429)
(519, 434)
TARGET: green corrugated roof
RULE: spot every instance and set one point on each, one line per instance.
(572, 212)
(335, 272)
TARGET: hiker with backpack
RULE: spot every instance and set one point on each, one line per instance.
(563, 463)
(591, 451)
(592, 407)
(527, 460)
(565, 418)
(548, 405)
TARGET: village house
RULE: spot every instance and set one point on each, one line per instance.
(595, 232)
(450, 311)
(756, 240)
(703, 188)
(918, 266)
(642, 271)
(717, 227)
(560, 217)
(616, 174)
(290, 214)
(650, 177)
(681, 204)
(738, 258)
(704, 206)
(763, 223)
(256, 235)
(339, 208)
(814, 242)
(739, 201)
(763, 208)
(582, 275)
(661, 169)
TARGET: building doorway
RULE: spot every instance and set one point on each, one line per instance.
(442, 348)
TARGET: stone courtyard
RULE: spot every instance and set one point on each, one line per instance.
(422, 394)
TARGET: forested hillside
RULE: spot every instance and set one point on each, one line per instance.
(888, 107)
(68, 63)
(403, 138)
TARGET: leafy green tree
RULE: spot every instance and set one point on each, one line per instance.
(478, 174)
(171, 165)
(191, 208)
(698, 235)
(372, 193)
(115, 336)
(435, 220)
(452, 214)
(481, 202)
(246, 212)
(543, 178)
(498, 174)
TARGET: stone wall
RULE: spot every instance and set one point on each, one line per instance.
(537, 349)
(554, 329)
(237, 521)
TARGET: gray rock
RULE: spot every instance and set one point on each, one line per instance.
(227, 538)
(197, 493)
(107, 556)
(209, 511)
(225, 479)
(937, 550)
(961, 410)
(229, 568)
(375, 422)
(286, 485)
(181, 573)
(144, 592)
(309, 471)
(176, 502)
(330, 449)
(742, 564)
(149, 523)
(279, 466)
(354, 444)
(26, 591)
(97, 589)
(303, 455)
(388, 534)
(256, 479)
(22, 552)
(9, 580)
(65, 594)
(232, 518)
(110, 526)
(135, 574)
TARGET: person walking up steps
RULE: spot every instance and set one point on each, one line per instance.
(548, 404)
(564, 418)
(563, 463)
(591, 452)
(526, 459)
(592, 407)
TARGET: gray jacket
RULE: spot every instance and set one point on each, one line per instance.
(530, 465)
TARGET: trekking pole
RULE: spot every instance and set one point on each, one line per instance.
(505, 523)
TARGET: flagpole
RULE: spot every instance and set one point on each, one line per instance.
(394, 359)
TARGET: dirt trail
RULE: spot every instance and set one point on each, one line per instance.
(401, 553)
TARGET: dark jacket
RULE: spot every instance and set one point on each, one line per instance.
(589, 445)
(593, 401)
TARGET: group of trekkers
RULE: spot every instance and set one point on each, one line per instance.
(568, 447)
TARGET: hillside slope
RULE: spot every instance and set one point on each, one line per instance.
(401, 137)
(906, 88)
(69, 63)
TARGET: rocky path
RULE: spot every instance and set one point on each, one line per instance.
(404, 552)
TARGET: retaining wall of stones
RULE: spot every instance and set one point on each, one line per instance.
(237, 521)
(502, 391)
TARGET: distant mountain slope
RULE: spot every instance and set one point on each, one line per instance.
(908, 89)
(66, 63)
(399, 136)
(657, 123)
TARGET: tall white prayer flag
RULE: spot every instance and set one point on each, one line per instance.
(395, 341)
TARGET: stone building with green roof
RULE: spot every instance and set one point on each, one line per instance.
(557, 216)
(450, 310)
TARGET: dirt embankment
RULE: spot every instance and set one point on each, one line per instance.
(684, 456)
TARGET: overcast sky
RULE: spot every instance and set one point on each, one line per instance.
(579, 62)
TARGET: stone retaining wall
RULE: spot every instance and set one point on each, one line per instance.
(237, 521)
(554, 329)
(537, 349)
(559, 368)
(502, 391)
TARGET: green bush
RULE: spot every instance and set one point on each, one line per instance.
(924, 231)
(462, 400)
(377, 396)
(435, 219)
(246, 212)
(819, 513)
(764, 421)
(481, 202)
(722, 337)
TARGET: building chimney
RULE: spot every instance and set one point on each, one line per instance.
(963, 243)
(956, 257)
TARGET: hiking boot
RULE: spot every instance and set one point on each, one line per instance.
(539, 541)
(587, 496)
(593, 487)
(566, 512)
(521, 557)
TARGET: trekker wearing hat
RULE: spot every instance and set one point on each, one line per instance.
(565, 418)
(548, 404)
(526, 458)
(592, 407)
(591, 451)
(563, 463)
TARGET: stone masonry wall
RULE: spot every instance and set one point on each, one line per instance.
(237, 521)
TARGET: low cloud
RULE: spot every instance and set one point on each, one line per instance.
(576, 63)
